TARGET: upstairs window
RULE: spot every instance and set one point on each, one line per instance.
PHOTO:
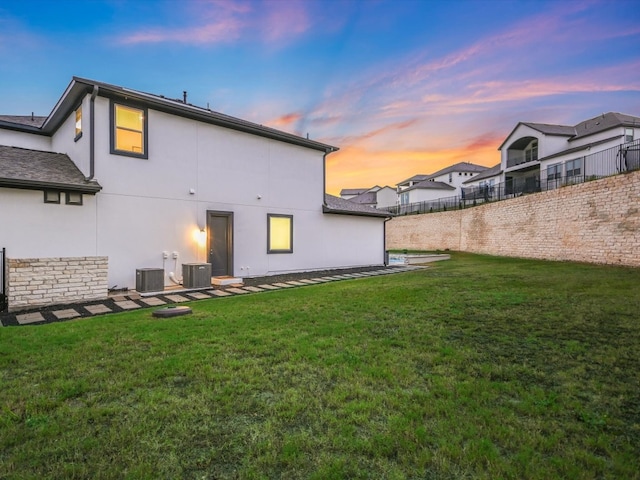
(279, 233)
(78, 123)
(554, 175)
(628, 135)
(128, 130)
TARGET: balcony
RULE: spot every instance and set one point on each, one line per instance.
(524, 150)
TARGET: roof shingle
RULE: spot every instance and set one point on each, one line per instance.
(35, 169)
(347, 207)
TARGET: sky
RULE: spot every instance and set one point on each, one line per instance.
(402, 87)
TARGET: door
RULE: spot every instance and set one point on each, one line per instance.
(220, 242)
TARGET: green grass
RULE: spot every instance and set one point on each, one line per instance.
(478, 368)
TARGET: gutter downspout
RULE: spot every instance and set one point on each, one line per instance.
(384, 241)
(92, 134)
(324, 174)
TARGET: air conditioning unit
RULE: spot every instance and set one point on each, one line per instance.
(196, 275)
(149, 280)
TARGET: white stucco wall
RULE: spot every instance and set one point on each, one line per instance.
(62, 140)
(386, 197)
(32, 228)
(146, 206)
(25, 140)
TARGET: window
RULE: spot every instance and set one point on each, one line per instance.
(450, 177)
(51, 196)
(554, 175)
(404, 198)
(628, 135)
(73, 198)
(573, 169)
(78, 123)
(279, 233)
(128, 130)
(531, 152)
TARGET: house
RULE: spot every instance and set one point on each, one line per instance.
(375, 197)
(444, 183)
(141, 181)
(538, 156)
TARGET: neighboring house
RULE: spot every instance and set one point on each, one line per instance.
(541, 156)
(444, 183)
(349, 193)
(374, 197)
(151, 182)
(483, 185)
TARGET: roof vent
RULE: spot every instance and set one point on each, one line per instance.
(184, 96)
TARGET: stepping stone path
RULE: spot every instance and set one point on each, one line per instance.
(135, 300)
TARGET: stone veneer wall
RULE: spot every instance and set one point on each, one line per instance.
(596, 222)
(34, 282)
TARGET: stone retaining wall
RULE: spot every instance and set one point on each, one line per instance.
(597, 222)
(34, 282)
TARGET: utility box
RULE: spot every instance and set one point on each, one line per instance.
(149, 280)
(196, 275)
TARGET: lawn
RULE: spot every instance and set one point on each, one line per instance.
(476, 368)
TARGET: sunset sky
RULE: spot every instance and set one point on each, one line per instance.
(402, 87)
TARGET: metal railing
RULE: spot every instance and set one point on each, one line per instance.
(612, 161)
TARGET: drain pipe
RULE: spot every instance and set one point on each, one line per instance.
(324, 174)
(384, 241)
(92, 134)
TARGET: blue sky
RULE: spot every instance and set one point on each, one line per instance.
(402, 87)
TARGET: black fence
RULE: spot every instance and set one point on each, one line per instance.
(612, 161)
(3, 280)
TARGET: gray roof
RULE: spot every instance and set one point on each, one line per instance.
(366, 198)
(353, 191)
(550, 129)
(487, 173)
(415, 178)
(430, 185)
(38, 170)
(80, 87)
(30, 120)
(458, 167)
(346, 207)
(605, 122)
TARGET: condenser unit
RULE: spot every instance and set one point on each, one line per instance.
(196, 275)
(149, 280)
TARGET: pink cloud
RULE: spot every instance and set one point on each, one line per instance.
(220, 32)
(285, 20)
(285, 121)
(220, 21)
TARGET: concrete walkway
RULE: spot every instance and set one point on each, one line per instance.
(134, 300)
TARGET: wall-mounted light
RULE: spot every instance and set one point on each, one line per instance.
(200, 236)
